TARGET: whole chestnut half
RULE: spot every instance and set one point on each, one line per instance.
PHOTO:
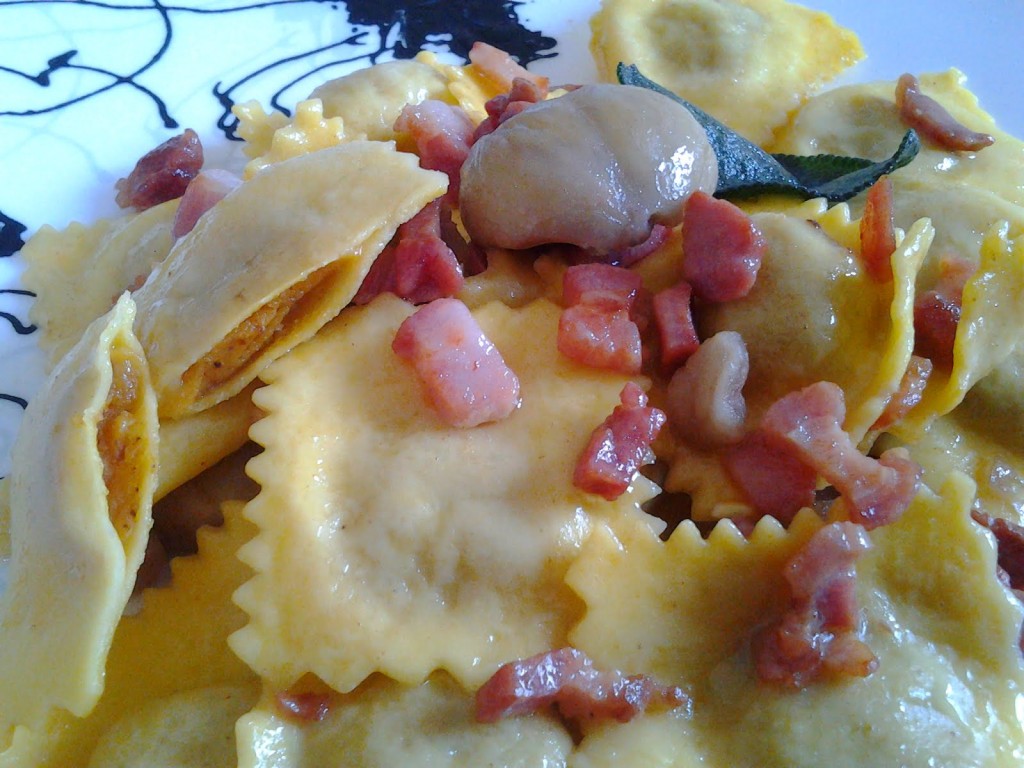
(597, 168)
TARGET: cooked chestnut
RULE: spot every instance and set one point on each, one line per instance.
(596, 168)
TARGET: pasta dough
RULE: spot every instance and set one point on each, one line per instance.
(272, 263)
(79, 512)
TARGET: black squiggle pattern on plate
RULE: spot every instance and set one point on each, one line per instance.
(11, 231)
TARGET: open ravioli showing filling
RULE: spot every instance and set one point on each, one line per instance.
(270, 264)
(80, 498)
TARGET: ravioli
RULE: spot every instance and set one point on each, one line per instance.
(390, 542)
(943, 627)
(269, 265)
(77, 274)
(80, 498)
(862, 121)
(383, 723)
(747, 62)
(812, 315)
(173, 651)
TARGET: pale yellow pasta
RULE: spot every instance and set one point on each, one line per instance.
(77, 274)
(175, 645)
(387, 724)
(942, 626)
(79, 523)
(862, 121)
(370, 100)
(308, 131)
(192, 729)
(747, 62)
(269, 265)
(390, 542)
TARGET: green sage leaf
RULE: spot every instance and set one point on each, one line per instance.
(745, 170)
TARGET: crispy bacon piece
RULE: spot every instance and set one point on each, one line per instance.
(877, 233)
(937, 312)
(909, 394)
(202, 193)
(673, 317)
(598, 338)
(307, 707)
(601, 286)
(817, 637)
(521, 94)
(1010, 544)
(619, 446)
(722, 249)
(876, 491)
(567, 679)
(161, 174)
(933, 121)
(416, 265)
(443, 134)
(497, 65)
(772, 475)
(464, 376)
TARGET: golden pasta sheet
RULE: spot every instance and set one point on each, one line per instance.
(173, 649)
(944, 630)
(383, 723)
(390, 541)
(370, 100)
(81, 486)
(469, 87)
(194, 729)
(270, 264)
(78, 273)
(194, 443)
(813, 315)
(989, 328)
(308, 131)
(862, 121)
(747, 62)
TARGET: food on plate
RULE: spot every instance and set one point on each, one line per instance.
(554, 456)
(750, 63)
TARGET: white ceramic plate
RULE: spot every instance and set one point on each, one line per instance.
(87, 87)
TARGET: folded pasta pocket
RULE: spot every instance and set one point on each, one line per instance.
(81, 485)
(269, 265)
(392, 542)
(78, 273)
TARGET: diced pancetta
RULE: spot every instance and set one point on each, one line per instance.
(673, 317)
(500, 67)
(522, 94)
(722, 249)
(876, 491)
(602, 286)
(443, 134)
(627, 257)
(568, 680)
(1010, 546)
(817, 637)
(704, 401)
(619, 446)
(202, 193)
(306, 707)
(463, 375)
(909, 394)
(877, 233)
(936, 317)
(417, 265)
(598, 338)
(771, 474)
(162, 174)
(933, 121)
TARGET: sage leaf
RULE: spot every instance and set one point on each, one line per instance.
(745, 170)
